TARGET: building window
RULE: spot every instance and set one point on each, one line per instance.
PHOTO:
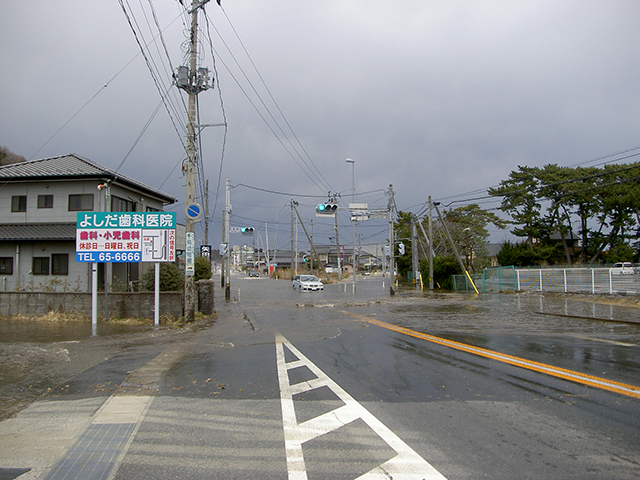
(6, 265)
(40, 266)
(151, 209)
(60, 264)
(122, 205)
(19, 203)
(45, 201)
(81, 203)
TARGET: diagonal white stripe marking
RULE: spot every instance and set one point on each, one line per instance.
(307, 385)
(407, 465)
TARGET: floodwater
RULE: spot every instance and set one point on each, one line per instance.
(46, 331)
(37, 355)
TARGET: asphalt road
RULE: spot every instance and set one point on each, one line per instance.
(331, 385)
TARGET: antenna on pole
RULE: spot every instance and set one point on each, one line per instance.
(193, 80)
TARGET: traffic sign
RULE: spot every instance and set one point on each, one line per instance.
(193, 212)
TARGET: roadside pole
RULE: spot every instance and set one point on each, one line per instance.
(226, 241)
(453, 247)
(430, 245)
(392, 246)
(414, 253)
(94, 299)
(156, 296)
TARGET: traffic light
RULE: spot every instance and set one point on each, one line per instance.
(247, 230)
(328, 208)
(401, 248)
(222, 249)
(387, 250)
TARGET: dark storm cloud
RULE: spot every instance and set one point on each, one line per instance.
(437, 98)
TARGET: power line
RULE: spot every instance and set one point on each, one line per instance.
(291, 148)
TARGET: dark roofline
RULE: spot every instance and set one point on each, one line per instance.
(36, 232)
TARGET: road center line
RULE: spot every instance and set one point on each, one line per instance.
(598, 382)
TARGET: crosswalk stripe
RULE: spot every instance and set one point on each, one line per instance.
(406, 465)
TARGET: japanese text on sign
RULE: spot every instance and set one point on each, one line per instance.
(126, 237)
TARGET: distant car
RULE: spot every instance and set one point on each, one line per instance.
(307, 283)
(331, 269)
(252, 273)
(622, 268)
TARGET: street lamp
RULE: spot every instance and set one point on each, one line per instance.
(353, 222)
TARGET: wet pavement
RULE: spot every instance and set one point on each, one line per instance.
(209, 399)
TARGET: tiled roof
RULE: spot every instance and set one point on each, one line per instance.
(72, 166)
(38, 231)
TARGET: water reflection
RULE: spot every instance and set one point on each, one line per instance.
(47, 331)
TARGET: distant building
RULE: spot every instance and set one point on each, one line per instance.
(39, 201)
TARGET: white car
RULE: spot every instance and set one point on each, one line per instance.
(622, 268)
(307, 283)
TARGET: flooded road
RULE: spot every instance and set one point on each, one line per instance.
(431, 377)
(38, 355)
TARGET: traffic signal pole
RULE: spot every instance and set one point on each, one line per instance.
(313, 249)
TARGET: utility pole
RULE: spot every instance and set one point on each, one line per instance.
(292, 272)
(453, 247)
(338, 246)
(431, 256)
(225, 233)
(414, 252)
(353, 222)
(192, 80)
(311, 243)
(206, 213)
(266, 241)
(310, 239)
(392, 246)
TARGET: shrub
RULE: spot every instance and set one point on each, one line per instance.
(171, 278)
(202, 269)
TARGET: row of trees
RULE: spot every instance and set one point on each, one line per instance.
(561, 214)
(597, 206)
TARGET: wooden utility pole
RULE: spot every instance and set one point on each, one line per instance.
(192, 80)
(206, 213)
(226, 241)
(392, 246)
(453, 247)
(431, 256)
(292, 272)
(414, 253)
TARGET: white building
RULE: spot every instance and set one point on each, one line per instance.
(39, 201)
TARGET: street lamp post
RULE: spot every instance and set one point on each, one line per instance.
(353, 222)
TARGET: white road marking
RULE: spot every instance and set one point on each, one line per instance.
(406, 465)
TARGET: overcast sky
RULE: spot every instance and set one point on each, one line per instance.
(438, 98)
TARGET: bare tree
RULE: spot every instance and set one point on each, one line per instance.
(7, 157)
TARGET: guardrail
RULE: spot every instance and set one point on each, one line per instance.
(596, 280)
(577, 280)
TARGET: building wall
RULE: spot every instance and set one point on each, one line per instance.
(120, 305)
(60, 190)
(77, 280)
(79, 274)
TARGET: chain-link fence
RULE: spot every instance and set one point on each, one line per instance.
(600, 280)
